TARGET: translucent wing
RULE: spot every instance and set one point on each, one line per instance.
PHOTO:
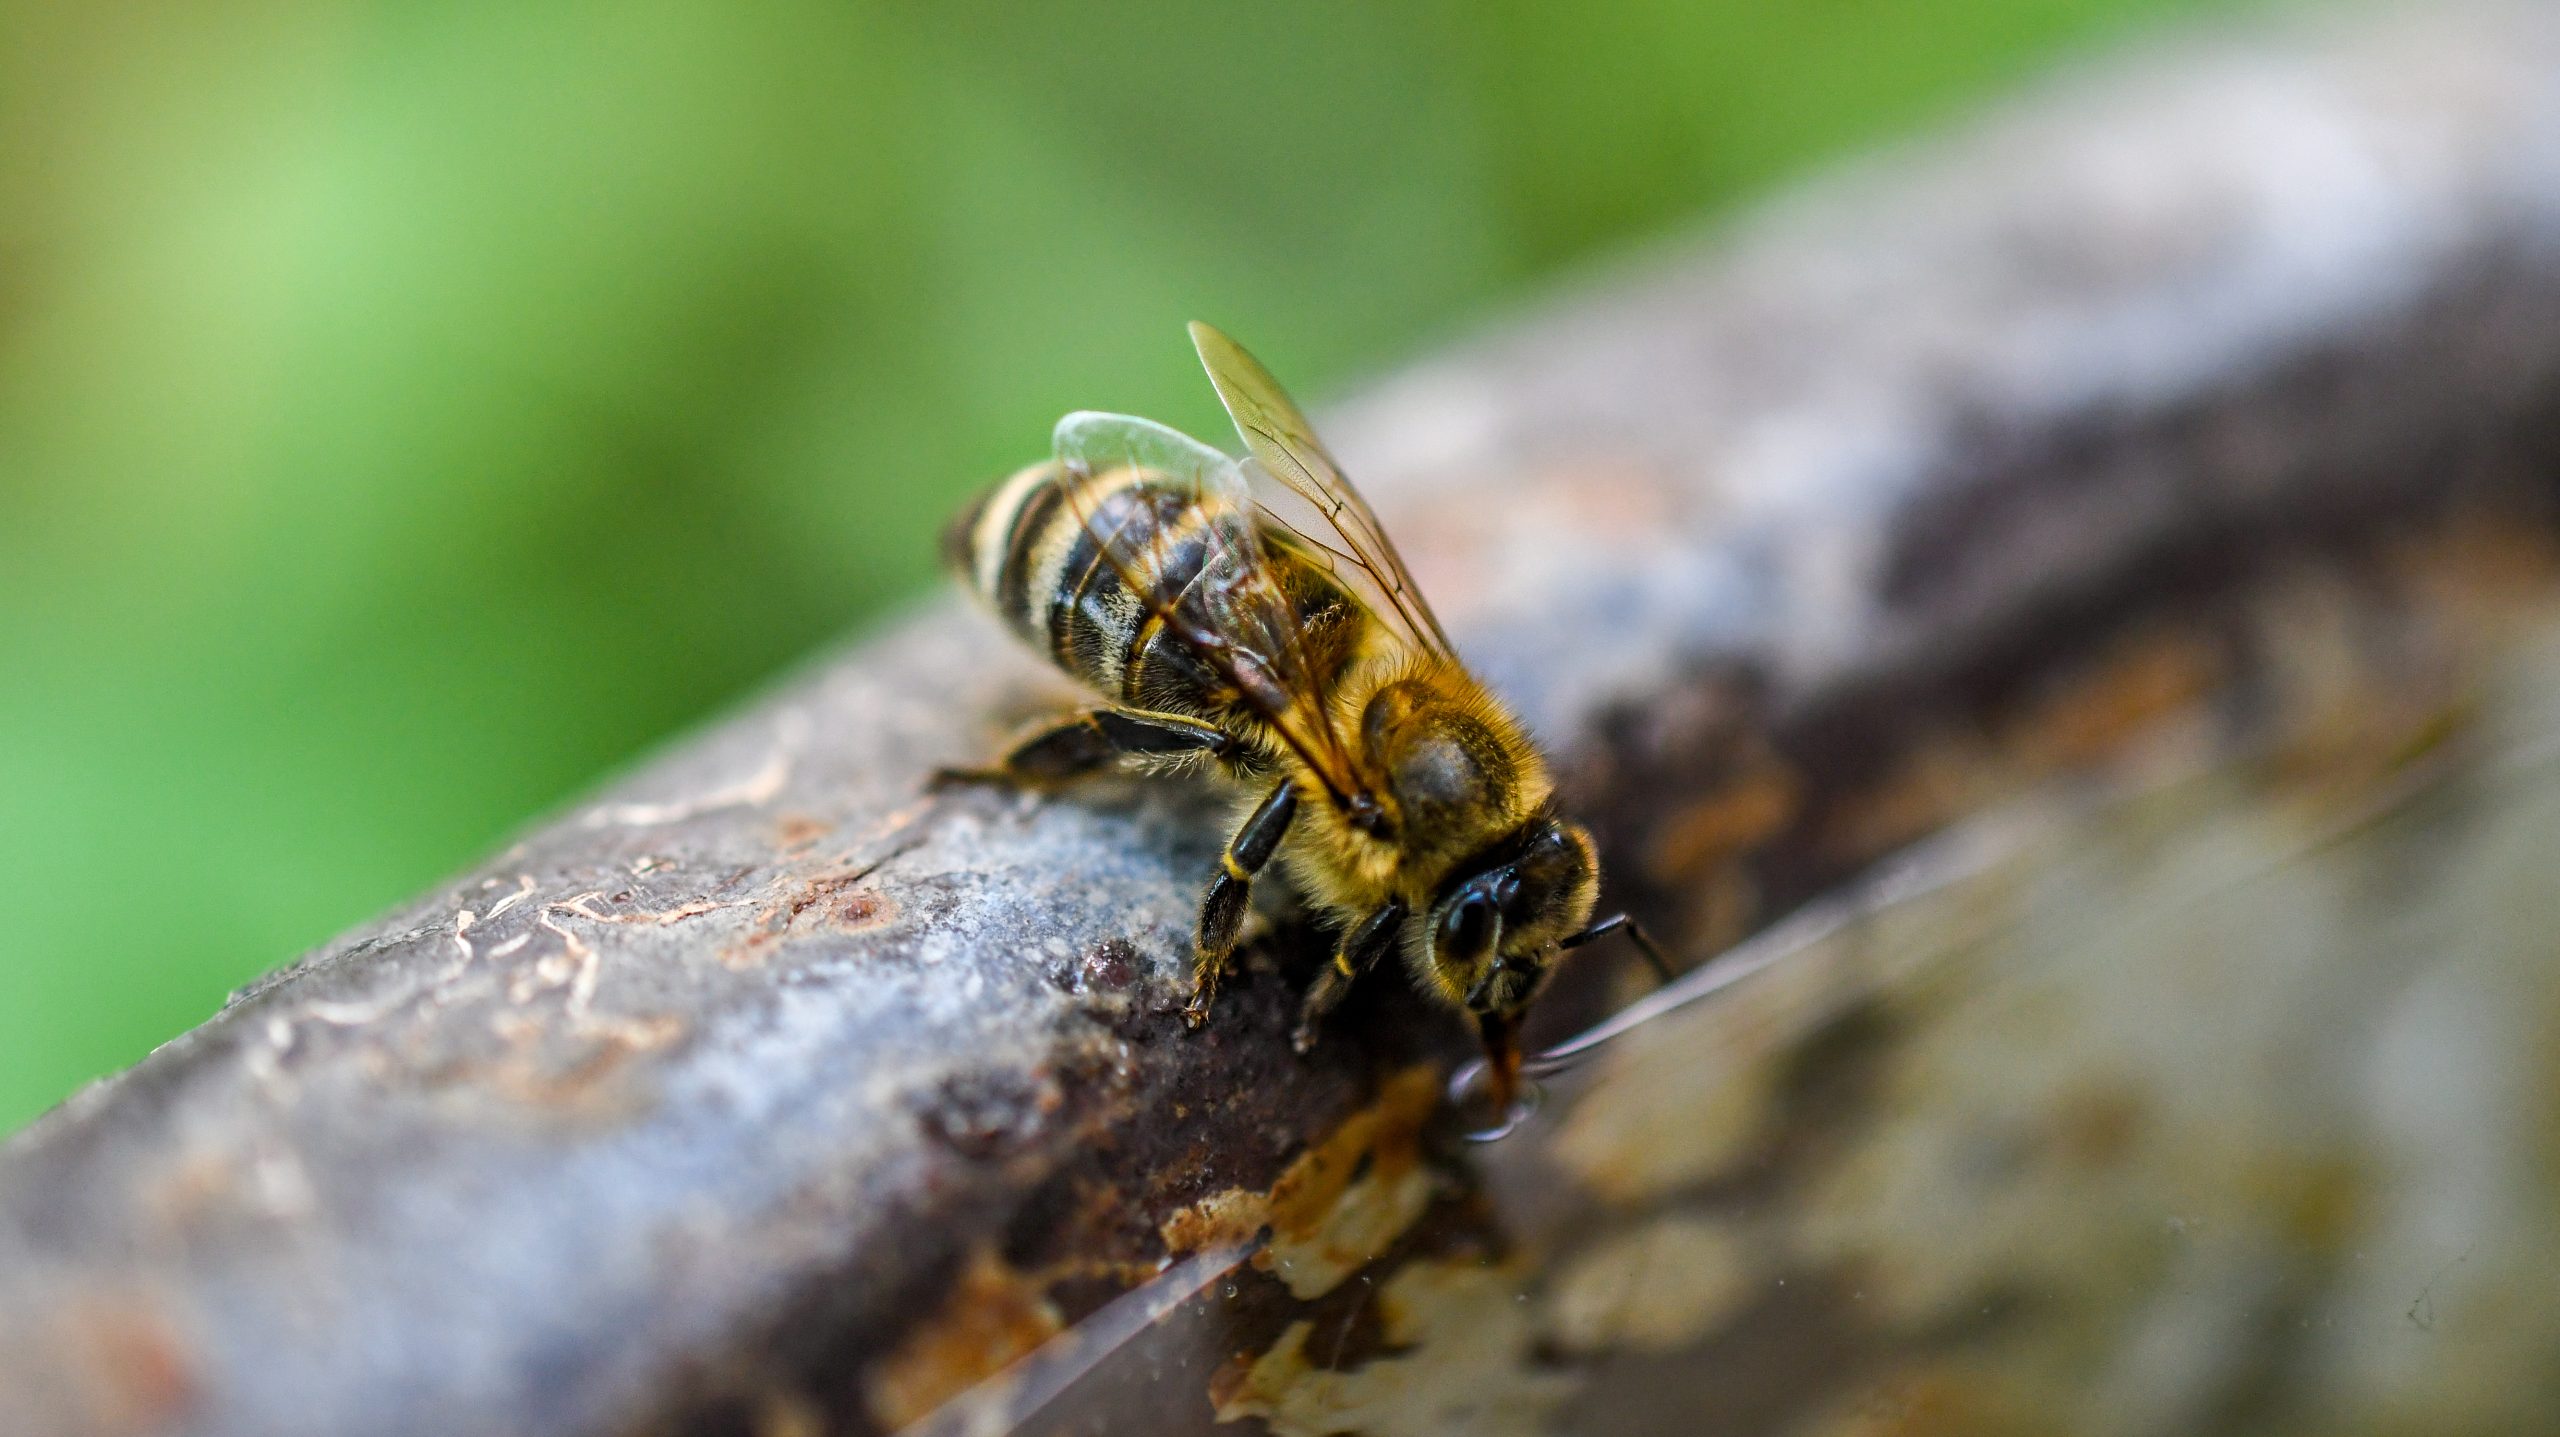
(1286, 447)
(1176, 521)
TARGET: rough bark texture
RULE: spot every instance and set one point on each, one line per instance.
(2210, 397)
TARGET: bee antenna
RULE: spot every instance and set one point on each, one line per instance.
(1621, 923)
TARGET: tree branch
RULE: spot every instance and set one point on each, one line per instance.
(765, 1092)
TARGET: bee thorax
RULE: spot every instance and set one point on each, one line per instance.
(1452, 767)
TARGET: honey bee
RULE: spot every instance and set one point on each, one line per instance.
(1296, 655)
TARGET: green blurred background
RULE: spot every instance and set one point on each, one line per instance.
(409, 412)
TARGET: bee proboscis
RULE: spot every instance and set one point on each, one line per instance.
(1296, 655)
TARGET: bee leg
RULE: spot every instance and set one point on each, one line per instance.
(1222, 910)
(1360, 951)
(1080, 742)
(1062, 748)
(1150, 731)
(1620, 922)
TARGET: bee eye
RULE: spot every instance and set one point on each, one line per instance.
(1467, 928)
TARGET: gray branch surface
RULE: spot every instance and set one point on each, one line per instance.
(765, 1092)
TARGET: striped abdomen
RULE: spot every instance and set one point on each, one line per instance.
(1037, 554)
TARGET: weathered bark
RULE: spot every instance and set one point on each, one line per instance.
(764, 1092)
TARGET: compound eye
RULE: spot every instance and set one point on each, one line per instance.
(1467, 928)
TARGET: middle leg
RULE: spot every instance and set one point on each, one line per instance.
(1222, 910)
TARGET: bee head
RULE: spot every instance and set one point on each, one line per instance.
(1495, 926)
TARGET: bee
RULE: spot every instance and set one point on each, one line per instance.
(1295, 654)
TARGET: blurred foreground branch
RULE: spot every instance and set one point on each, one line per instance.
(2211, 400)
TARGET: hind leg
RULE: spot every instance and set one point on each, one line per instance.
(1078, 743)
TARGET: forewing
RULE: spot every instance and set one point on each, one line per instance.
(1284, 445)
(1227, 608)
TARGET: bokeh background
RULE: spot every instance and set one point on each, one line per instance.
(410, 412)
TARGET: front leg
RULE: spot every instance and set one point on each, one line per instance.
(1361, 949)
(1222, 911)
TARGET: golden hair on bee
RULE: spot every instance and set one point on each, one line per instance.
(1294, 654)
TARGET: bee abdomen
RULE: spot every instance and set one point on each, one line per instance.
(1030, 550)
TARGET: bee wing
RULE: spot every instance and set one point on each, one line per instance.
(1227, 608)
(1285, 446)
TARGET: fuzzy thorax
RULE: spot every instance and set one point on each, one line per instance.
(1463, 791)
